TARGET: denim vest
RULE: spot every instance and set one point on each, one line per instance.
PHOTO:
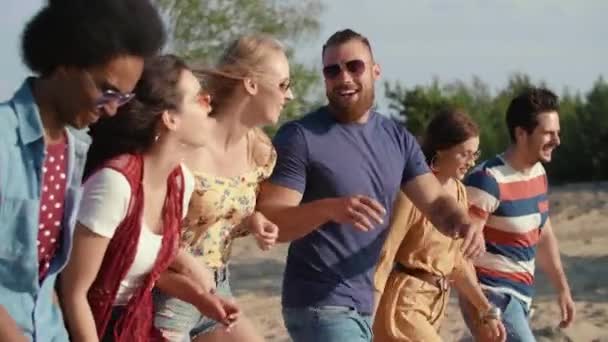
(22, 152)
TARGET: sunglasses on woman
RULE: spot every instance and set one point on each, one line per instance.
(354, 67)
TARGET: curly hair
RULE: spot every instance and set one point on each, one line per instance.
(85, 33)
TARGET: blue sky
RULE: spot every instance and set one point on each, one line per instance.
(13, 17)
(563, 42)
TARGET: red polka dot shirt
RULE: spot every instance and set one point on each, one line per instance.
(51, 204)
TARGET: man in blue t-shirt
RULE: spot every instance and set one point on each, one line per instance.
(338, 172)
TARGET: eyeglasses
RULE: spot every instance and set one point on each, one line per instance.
(468, 155)
(354, 67)
(285, 85)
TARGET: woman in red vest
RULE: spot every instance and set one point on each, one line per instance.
(135, 196)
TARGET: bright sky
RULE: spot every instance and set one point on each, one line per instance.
(563, 42)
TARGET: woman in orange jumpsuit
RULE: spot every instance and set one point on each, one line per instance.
(418, 264)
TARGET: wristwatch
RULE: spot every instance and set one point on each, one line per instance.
(492, 313)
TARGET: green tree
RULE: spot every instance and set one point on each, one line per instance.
(415, 106)
(583, 155)
(201, 29)
(574, 150)
(594, 117)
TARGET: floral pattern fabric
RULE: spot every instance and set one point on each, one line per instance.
(217, 208)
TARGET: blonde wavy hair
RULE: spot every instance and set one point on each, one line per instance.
(246, 57)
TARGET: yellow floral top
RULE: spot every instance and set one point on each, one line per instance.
(217, 207)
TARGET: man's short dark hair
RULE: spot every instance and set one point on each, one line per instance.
(345, 36)
(86, 33)
(524, 109)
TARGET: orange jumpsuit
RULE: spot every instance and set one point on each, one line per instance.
(411, 309)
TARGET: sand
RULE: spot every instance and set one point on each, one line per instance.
(579, 213)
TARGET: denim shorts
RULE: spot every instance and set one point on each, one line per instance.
(515, 316)
(180, 321)
(327, 324)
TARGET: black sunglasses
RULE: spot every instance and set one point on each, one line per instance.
(354, 67)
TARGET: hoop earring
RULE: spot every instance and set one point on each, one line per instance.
(156, 137)
(432, 163)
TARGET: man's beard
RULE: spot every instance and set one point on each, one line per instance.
(351, 111)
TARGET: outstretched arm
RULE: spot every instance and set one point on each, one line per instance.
(550, 262)
(282, 206)
(444, 212)
(465, 281)
(76, 279)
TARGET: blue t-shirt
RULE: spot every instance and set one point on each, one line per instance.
(322, 158)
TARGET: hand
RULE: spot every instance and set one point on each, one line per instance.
(566, 306)
(473, 244)
(219, 309)
(264, 231)
(492, 330)
(359, 211)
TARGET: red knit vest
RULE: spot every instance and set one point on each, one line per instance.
(135, 325)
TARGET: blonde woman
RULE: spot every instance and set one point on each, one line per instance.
(418, 263)
(249, 86)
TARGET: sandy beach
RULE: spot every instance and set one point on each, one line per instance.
(579, 213)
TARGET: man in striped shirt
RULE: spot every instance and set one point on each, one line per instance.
(508, 198)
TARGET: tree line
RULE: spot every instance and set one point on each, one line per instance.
(201, 29)
(583, 154)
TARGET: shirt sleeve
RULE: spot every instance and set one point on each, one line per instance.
(483, 193)
(105, 202)
(292, 158)
(403, 218)
(415, 162)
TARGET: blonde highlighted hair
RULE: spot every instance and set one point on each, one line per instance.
(246, 57)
